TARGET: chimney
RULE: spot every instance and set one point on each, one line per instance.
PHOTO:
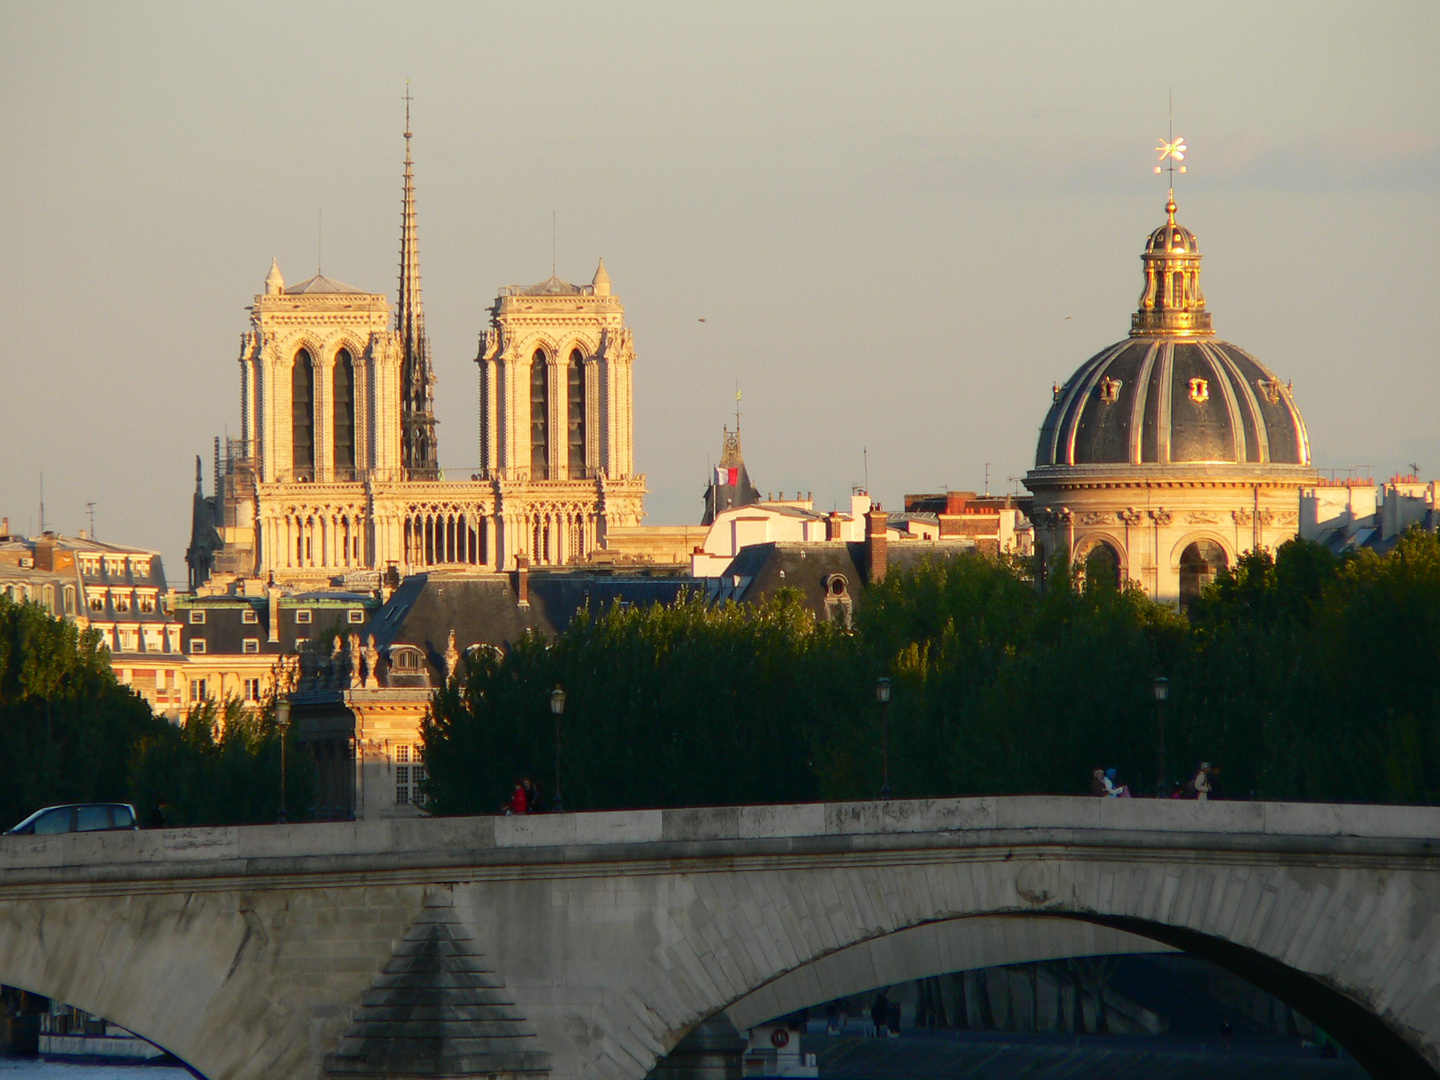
(274, 595)
(832, 526)
(4, 526)
(522, 580)
(876, 546)
(45, 555)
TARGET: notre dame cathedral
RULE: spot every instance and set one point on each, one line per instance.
(335, 474)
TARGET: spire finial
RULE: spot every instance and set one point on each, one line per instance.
(1171, 151)
(737, 406)
(407, 99)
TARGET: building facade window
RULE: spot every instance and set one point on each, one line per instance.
(252, 689)
(302, 416)
(97, 601)
(251, 645)
(356, 616)
(539, 417)
(69, 599)
(122, 601)
(147, 603)
(343, 407)
(197, 690)
(197, 645)
(248, 616)
(302, 616)
(575, 393)
(197, 617)
(417, 777)
(47, 598)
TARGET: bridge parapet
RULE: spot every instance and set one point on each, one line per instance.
(706, 831)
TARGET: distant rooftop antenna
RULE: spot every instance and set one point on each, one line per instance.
(42, 504)
(865, 453)
(987, 478)
(737, 406)
(90, 513)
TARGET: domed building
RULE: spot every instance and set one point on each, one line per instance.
(1168, 454)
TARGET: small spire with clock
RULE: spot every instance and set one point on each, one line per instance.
(730, 484)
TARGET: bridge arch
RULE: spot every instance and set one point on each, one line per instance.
(980, 941)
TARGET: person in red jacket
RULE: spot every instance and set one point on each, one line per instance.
(518, 803)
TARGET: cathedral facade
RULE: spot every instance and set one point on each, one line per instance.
(335, 474)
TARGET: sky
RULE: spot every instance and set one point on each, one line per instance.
(893, 226)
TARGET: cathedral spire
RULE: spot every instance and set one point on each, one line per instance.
(418, 450)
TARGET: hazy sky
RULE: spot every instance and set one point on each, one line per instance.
(901, 223)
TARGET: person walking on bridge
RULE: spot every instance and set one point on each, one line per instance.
(1201, 782)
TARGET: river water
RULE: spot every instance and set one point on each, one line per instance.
(40, 1069)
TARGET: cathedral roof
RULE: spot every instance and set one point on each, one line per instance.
(553, 286)
(1171, 393)
(321, 284)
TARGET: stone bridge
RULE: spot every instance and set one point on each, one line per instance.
(589, 944)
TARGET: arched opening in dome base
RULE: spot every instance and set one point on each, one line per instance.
(1200, 562)
(1102, 567)
(1364, 1035)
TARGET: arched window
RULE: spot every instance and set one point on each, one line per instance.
(343, 400)
(539, 417)
(1102, 567)
(1177, 281)
(577, 415)
(1199, 563)
(302, 416)
(69, 599)
(47, 598)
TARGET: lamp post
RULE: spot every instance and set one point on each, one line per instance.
(1162, 695)
(282, 721)
(557, 707)
(882, 695)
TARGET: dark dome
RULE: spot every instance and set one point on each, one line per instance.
(1161, 401)
(1173, 238)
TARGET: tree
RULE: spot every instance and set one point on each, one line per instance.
(67, 725)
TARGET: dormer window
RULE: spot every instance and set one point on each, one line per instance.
(406, 660)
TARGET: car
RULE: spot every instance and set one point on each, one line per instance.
(77, 817)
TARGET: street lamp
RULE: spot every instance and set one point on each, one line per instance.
(557, 706)
(882, 695)
(282, 721)
(1162, 695)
